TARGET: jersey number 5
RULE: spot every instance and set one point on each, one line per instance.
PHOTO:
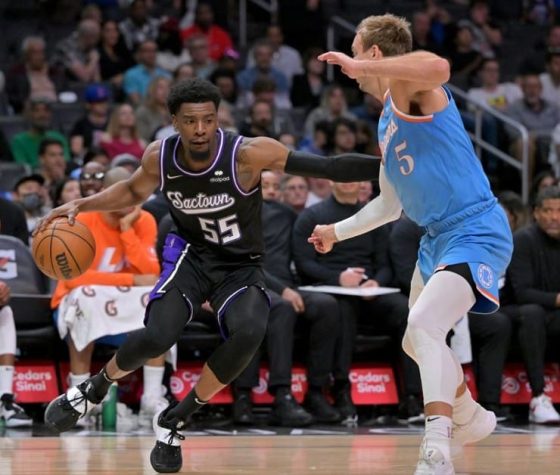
(407, 167)
(220, 231)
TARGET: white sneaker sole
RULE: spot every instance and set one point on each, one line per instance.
(478, 428)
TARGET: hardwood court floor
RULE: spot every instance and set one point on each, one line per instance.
(511, 454)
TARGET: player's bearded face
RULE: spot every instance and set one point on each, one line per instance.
(197, 123)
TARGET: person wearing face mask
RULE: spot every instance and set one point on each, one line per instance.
(30, 193)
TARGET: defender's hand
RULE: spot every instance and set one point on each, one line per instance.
(323, 238)
(348, 65)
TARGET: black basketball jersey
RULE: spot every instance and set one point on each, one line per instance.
(210, 209)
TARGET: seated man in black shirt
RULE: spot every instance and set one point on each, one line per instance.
(320, 312)
(490, 334)
(362, 261)
(534, 280)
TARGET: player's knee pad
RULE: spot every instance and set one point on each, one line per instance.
(7, 332)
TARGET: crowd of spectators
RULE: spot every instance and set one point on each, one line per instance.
(116, 69)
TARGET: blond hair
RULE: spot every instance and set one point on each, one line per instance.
(389, 32)
(113, 126)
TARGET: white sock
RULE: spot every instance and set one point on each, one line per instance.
(464, 408)
(75, 379)
(153, 377)
(438, 434)
(6, 380)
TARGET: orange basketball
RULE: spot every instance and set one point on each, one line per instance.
(63, 251)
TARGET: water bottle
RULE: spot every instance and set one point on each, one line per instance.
(109, 412)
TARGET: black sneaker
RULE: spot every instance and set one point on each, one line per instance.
(166, 456)
(13, 415)
(411, 410)
(316, 403)
(243, 409)
(344, 405)
(288, 413)
(63, 412)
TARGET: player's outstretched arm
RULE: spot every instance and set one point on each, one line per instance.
(122, 194)
(263, 153)
(383, 209)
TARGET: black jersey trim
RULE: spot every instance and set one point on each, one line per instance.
(203, 172)
(234, 169)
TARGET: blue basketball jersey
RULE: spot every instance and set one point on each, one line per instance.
(432, 166)
(431, 163)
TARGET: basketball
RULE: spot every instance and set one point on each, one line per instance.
(62, 251)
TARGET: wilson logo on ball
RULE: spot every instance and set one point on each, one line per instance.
(63, 265)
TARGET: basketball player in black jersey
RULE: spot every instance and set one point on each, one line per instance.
(210, 179)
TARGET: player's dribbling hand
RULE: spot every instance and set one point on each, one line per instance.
(70, 210)
(323, 238)
(348, 65)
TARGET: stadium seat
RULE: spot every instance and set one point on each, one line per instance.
(10, 173)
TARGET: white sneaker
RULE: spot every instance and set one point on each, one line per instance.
(432, 462)
(541, 411)
(150, 405)
(13, 414)
(481, 425)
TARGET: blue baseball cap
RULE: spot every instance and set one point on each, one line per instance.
(96, 93)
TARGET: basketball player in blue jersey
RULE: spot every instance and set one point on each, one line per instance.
(431, 172)
(211, 181)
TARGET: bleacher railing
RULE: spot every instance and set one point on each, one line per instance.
(480, 109)
(271, 6)
(337, 23)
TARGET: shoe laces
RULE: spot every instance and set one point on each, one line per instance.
(175, 434)
(77, 399)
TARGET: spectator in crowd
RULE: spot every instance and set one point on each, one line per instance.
(333, 105)
(263, 55)
(224, 79)
(52, 166)
(464, 58)
(535, 284)
(344, 136)
(183, 71)
(64, 191)
(30, 193)
(114, 56)
(303, 23)
(12, 221)
(288, 308)
(138, 78)
(365, 194)
(203, 65)
(171, 52)
(11, 413)
(554, 151)
(369, 111)
(366, 139)
(421, 29)
(122, 134)
(319, 190)
(539, 12)
(490, 334)
(25, 145)
(536, 59)
(550, 80)
(124, 256)
(542, 180)
(516, 211)
(492, 92)
(359, 262)
(226, 120)
(539, 116)
(270, 186)
(78, 53)
(487, 36)
(87, 131)
(284, 57)
(264, 120)
(126, 161)
(295, 191)
(153, 113)
(319, 141)
(138, 27)
(219, 41)
(33, 77)
(307, 87)
(91, 178)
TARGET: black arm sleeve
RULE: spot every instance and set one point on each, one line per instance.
(347, 167)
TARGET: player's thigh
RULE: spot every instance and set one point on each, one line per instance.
(416, 286)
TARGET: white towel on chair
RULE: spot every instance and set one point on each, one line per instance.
(94, 311)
